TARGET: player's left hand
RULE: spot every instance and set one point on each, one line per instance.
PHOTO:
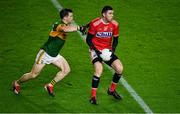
(112, 52)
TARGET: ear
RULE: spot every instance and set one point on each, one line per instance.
(65, 17)
(103, 15)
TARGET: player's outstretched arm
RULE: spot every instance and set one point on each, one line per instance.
(72, 28)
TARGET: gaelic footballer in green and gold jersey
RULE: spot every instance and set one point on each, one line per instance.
(49, 52)
(56, 39)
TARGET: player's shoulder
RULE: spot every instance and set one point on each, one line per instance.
(96, 21)
(56, 22)
(114, 22)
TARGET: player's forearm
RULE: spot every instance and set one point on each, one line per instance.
(73, 28)
(90, 44)
(115, 43)
(89, 40)
(70, 28)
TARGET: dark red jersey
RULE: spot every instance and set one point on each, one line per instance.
(103, 33)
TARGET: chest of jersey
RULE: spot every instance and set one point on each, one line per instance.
(104, 31)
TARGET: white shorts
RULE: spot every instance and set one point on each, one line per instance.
(43, 58)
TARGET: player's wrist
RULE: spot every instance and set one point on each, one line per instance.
(80, 28)
(97, 51)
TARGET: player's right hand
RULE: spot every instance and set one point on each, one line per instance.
(97, 52)
(82, 29)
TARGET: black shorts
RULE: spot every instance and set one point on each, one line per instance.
(113, 58)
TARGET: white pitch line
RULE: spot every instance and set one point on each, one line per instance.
(136, 96)
(132, 92)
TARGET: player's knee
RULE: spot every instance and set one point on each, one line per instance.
(34, 74)
(67, 71)
(98, 72)
(119, 69)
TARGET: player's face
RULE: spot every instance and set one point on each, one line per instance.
(109, 15)
(69, 18)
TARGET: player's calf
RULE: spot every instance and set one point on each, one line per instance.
(95, 83)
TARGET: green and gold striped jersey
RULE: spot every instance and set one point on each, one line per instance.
(56, 39)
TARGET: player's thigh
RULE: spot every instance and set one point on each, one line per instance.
(98, 68)
(62, 64)
(117, 66)
(37, 68)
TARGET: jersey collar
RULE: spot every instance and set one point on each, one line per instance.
(104, 22)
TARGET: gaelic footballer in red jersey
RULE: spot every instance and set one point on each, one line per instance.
(102, 34)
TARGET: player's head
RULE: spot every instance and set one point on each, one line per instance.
(107, 13)
(66, 15)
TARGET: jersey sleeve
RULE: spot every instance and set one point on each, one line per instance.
(91, 29)
(116, 31)
(59, 28)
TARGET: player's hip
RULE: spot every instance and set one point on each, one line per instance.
(44, 58)
(95, 58)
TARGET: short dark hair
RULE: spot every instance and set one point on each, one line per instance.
(65, 12)
(106, 8)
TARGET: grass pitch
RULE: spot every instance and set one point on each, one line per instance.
(148, 47)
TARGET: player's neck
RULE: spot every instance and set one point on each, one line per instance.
(64, 21)
(104, 20)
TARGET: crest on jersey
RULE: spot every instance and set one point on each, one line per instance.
(111, 29)
(99, 29)
(105, 28)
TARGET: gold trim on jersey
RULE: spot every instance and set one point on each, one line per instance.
(59, 32)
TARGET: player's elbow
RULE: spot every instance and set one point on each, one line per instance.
(88, 41)
(65, 30)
